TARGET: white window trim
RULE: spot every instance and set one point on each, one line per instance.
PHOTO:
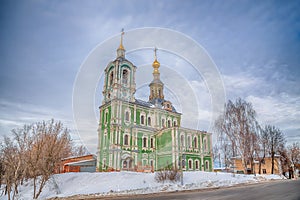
(128, 139)
(145, 118)
(153, 142)
(192, 164)
(129, 111)
(207, 163)
(149, 116)
(205, 149)
(189, 143)
(197, 145)
(143, 142)
(182, 145)
(198, 164)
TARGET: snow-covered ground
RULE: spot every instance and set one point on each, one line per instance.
(112, 183)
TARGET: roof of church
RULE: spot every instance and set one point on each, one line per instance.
(154, 103)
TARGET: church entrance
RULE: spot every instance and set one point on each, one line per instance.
(127, 164)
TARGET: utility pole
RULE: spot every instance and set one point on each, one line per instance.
(181, 158)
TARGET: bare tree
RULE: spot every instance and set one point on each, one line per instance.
(11, 161)
(293, 153)
(275, 141)
(261, 148)
(238, 127)
(34, 152)
(80, 151)
(51, 144)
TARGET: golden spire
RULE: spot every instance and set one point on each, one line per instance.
(121, 42)
(155, 64)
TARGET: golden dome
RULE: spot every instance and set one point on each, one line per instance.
(121, 46)
(156, 64)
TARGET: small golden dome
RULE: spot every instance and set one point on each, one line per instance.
(121, 46)
(156, 64)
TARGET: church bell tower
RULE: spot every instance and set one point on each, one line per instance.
(119, 78)
(156, 86)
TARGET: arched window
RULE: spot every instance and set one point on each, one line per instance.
(125, 76)
(205, 144)
(127, 116)
(142, 119)
(206, 166)
(151, 142)
(182, 140)
(189, 141)
(195, 142)
(159, 93)
(111, 78)
(149, 121)
(197, 164)
(190, 164)
(174, 124)
(126, 140)
(169, 123)
(144, 142)
(163, 123)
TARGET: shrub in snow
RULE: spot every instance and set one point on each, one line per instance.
(171, 174)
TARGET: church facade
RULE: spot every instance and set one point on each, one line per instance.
(144, 136)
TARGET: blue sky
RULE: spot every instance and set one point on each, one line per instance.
(254, 44)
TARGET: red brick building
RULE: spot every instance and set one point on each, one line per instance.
(85, 163)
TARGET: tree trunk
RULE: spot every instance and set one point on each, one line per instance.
(272, 169)
(34, 187)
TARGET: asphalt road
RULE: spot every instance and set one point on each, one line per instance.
(274, 190)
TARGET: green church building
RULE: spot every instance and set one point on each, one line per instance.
(144, 136)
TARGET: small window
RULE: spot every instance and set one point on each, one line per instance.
(144, 142)
(264, 171)
(126, 140)
(195, 142)
(151, 143)
(142, 119)
(189, 141)
(206, 165)
(197, 164)
(127, 116)
(174, 124)
(205, 144)
(111, 78)
(182, 140)
(169, 123)
(149, 121)
(190, 164)
(125, 76)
